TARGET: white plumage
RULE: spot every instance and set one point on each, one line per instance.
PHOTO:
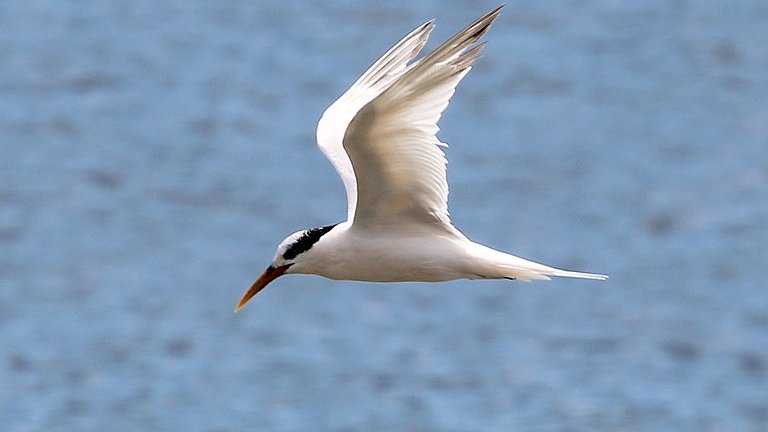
(381, 137)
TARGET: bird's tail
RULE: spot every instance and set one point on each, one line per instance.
(506, 266)
(543, 272)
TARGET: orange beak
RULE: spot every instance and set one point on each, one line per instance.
(270, 274)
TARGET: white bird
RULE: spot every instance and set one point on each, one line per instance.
(381, 137)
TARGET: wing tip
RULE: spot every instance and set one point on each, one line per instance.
(485, 22)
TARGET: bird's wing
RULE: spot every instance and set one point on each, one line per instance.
(392, 143)
(336, 119)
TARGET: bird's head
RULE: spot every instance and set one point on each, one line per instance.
(292, 250)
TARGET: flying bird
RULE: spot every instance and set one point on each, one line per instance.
(381, 137)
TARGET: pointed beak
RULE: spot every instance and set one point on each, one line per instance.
(270, 274)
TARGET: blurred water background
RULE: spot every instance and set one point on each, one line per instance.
(153, 154)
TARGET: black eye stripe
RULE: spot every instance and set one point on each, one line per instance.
(305, 242)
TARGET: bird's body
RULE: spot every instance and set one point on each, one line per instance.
(345, 253)
(381, 137)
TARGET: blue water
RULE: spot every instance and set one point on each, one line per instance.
(153, 154)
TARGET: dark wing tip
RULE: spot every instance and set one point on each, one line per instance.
(484, 23)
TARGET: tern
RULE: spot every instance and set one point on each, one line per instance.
(381, 137)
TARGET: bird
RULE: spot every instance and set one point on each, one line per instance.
(380, 136)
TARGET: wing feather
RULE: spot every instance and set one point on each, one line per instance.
(335, 119)
(392, 144)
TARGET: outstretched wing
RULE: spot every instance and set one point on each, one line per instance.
(336, 119)
(392, 142)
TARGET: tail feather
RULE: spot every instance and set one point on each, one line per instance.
(536, 271)
(578, 275)
(503, 265)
